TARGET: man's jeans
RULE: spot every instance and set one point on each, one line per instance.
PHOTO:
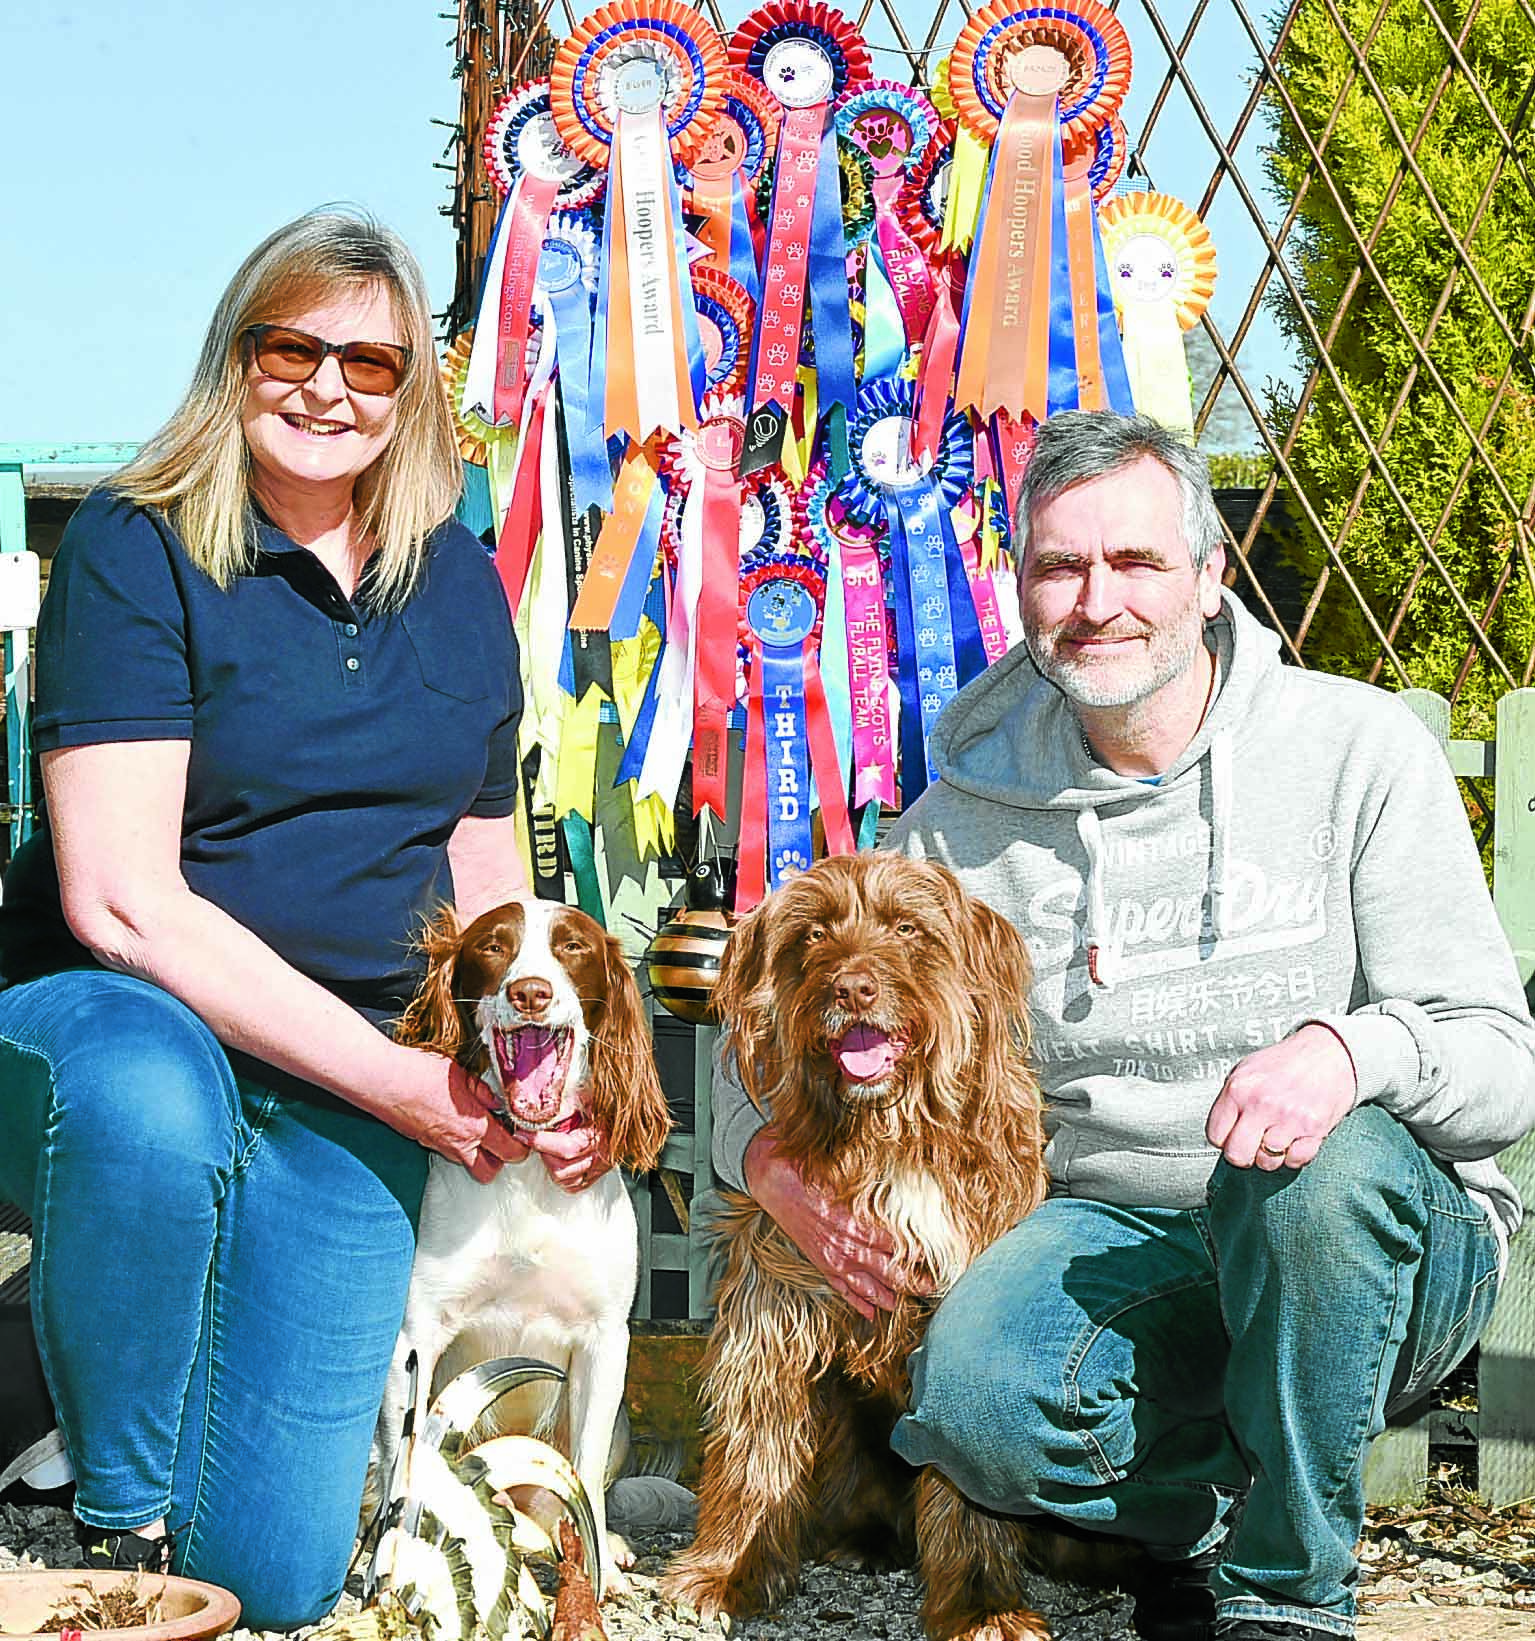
(1142, 1372)
(218, 1278)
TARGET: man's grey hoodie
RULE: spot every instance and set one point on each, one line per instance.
(1307, 858)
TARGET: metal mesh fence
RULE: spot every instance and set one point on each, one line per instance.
(1364, 380)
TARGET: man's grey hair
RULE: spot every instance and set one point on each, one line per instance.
(1085, 444)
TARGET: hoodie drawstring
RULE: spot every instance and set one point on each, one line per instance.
(1099, 959)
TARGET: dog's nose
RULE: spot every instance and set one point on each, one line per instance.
(531, 996)
(856, 991)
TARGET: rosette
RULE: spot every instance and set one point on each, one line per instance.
(893, 127)
(474, 432)
(879, 439)
(521, 138)
(535, 172)
(718, 184)
(635, 56)
(1027, 76)
(805, 55)
(1107, 148)
(725, 314)
(788, 732)
(566, 277)
(1078, 51)
(1159, 253)
(706, 460)
(890, 122)
(637, 85)
(925, 192)
(1161, 269)
(938, 639)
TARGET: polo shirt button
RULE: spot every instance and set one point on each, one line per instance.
(352, 663)
(350, 629)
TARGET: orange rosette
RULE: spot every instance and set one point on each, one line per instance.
(587, 81)
(1079, 50)
(1158, 251)
(743, 138)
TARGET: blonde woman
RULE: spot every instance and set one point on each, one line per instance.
(277, 713)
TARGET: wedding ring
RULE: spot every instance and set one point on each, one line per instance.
(1271, 1151)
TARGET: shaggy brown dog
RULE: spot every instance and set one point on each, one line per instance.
(882, 1013)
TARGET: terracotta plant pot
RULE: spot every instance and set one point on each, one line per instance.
(189, 1609)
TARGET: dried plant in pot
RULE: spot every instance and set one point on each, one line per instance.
(112, 1605)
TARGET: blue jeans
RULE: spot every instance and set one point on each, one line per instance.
(1187, 1378)
(218, 1279)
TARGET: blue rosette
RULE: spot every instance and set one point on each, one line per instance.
(866, 491)
(889, 122)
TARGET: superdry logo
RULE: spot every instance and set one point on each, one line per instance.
(1157, 934)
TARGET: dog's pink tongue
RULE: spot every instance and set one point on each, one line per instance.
(535, 1063)
(866, 1054)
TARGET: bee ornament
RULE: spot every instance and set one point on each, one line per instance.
(683, 961)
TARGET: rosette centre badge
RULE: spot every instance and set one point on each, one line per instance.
(798, 73)
(781, 613)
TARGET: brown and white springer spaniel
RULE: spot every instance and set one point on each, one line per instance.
(882, 1013)
(537, 1000)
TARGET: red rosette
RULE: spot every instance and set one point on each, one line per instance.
(726, 315)
(810, 21)
(923, 190)
(689, 55)
(744, 135)
(1081, 43)
(799, 570)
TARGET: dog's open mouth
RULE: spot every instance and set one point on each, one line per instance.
(533, 1062)
(867, 1054)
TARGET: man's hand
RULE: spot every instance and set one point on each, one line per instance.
(576, 1158)
(858, 1260)
(1278, 1105)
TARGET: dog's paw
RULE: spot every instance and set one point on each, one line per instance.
(615, 1585)
(1013, 1626)
(697, 1590)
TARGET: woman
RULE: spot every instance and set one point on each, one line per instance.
(277, 712)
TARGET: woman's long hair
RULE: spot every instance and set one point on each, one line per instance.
(197, 468)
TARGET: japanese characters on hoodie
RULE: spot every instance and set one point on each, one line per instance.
(1307, 858)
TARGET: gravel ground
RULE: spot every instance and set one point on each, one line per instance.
(834, 1603)
(1451, 1592)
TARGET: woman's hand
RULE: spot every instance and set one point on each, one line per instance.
(576, 1158)
(857, 1259)
(450, 1111)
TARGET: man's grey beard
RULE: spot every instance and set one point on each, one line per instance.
(1169, 654)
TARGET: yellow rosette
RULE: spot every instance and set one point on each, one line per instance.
(1161, 264)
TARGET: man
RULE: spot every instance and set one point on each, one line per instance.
(1281, 1037)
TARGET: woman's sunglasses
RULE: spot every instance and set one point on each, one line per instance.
(295, 355)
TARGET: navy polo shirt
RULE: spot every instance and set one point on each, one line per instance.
(333, 747)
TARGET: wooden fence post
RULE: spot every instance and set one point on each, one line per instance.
(1506, 1423)
(1397, 1467)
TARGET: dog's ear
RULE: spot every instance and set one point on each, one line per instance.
(999, 966)
(743, 997)
(625, 1093)
(432, 1021)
